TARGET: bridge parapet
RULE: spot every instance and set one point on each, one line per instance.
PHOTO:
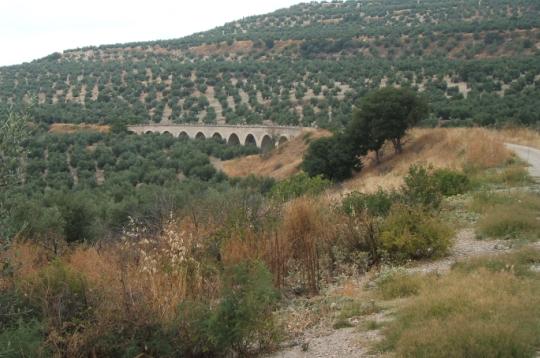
(264, 137)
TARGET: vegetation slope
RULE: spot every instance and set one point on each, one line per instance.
(477, 61)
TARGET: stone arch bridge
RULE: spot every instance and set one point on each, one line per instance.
(264, 137)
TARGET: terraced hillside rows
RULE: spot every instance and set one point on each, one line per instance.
(477, 61)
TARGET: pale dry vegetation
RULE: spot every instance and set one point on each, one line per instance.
(485, 307)
(64, 128)
(453, 148)
(523, 136)
(280, 163)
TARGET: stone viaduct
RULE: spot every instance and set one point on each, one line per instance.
(264, 137)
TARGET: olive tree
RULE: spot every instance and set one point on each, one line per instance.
(386, 114)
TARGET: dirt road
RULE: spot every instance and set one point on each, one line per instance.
(528, 154)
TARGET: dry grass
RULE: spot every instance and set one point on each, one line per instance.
(453, 148)
(483, 310)
(281, 163)
(508, 216)
(65, 128)
(291, 250)
(137, 282)
(140, 282)
(27, 258)
(523, 136)
(303, 229)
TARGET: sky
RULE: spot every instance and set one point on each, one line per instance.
(31, 29)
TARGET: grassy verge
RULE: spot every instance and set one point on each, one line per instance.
(488, 307)
(507, 215)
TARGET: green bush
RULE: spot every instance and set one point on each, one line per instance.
(193, 328)
(450, 182)
(14, 309)
(421, 188)
(298, 185)
(334, 158)
(376, 204)
(240, 323)
(23, 340)
(60, 293)
(411, 233)
(244, 315)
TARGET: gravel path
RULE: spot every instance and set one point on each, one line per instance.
(345, 342)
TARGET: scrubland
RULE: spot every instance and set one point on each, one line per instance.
(241, 272)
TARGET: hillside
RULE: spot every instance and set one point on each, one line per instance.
(280, 163)
(477, 61)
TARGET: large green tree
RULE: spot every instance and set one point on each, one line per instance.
(386, 114)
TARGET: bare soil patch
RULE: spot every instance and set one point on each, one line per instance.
(66, 128)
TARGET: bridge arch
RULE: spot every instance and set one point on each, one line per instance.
(149, 132)
(265, 137)
(250, 140)
(200, 135)
(233, 139)
(267, 144)
(167, 133)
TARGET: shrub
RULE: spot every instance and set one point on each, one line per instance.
(23, 340)
(192, 325)
(334, 158)
(376, 204)
(244, 315)
(411, 233)
(298, 185)
(61, 294)
(14, 309)
(421, 188)
(357, 242)
(450, 182)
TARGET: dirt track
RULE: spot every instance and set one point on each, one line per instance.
(528, 154)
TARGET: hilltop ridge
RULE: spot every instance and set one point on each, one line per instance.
(477, 61)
